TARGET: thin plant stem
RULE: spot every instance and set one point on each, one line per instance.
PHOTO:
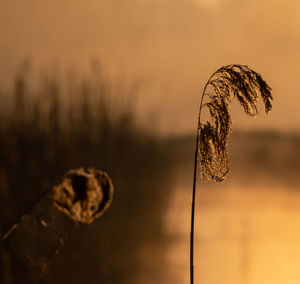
(192, 233)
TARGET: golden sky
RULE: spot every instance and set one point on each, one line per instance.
(171, 45)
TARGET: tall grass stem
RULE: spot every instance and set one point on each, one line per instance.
(192, 232)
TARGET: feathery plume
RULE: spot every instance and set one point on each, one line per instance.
(245, 85)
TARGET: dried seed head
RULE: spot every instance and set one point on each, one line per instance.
(83, 194)
(229, 81)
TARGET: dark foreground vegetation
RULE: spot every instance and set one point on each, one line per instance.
(60, 124)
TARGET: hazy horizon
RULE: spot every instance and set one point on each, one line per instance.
(171, 47)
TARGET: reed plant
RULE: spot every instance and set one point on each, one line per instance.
(210, 160)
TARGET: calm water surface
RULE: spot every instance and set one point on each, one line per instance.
(247, 235)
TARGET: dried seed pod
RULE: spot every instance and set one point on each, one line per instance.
(81, 195)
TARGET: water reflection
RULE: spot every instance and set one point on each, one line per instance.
(244, 234)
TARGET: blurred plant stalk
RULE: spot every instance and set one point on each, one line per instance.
(81, 196)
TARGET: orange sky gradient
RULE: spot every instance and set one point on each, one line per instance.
(172, 46)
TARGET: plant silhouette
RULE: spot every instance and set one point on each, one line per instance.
(229, 81)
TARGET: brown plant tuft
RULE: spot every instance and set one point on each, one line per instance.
(229, 81)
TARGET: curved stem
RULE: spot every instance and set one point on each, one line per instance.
(242, 72)
(192, 234)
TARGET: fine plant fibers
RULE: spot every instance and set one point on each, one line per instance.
(229, 81)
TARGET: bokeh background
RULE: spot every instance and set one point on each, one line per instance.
(116, 85)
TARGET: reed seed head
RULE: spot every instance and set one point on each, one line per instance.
(229, 81)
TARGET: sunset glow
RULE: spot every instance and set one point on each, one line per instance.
(170, 46)
(109, 92)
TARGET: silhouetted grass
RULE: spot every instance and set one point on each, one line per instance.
(61, 124)
(231, 81)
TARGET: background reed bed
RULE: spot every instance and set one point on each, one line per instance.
(60, 123)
